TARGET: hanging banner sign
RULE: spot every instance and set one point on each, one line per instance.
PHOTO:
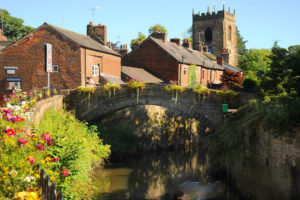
(48, 48)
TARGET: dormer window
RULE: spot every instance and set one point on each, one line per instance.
(10, 70)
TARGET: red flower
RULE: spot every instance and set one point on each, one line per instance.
(6, 111)
(40, 147)
(10, 132)
(22, 141)
(19, 119)
(55, 159)
(65, 172)
(47, 138)
(30, 159)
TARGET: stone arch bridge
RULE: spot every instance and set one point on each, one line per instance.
(99, 105)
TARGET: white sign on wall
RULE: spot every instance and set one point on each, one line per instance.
(49, 57)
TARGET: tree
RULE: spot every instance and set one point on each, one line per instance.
(13, 27)
(138, 40)
(232, 78)
(189, 35)
(241, 43)
(161, 28)
(256, 61)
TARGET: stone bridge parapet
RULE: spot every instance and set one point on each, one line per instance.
(99, 105)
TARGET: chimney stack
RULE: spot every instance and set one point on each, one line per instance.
(199, 46)
(225, 55)
(159, 35)
(220, 61)
(176, 41)
(187, 43)
(123, 50)
(97, 32)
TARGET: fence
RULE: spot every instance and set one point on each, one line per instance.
(48, 189)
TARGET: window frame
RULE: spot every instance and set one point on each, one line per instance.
(95, 70)
(54, 68)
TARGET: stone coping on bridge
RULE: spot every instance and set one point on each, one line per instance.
(100, 105)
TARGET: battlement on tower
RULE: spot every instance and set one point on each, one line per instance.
(221, 14)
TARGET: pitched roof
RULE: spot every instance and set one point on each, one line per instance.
(140, 74)
(4, 44)
(110, 78)
(191, 56)
(232, 68)
(82, 40)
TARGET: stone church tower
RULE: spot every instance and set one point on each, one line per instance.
(218, 32)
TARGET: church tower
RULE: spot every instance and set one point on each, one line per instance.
(218, 32)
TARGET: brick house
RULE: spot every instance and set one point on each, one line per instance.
(171, 60)
(75, 57)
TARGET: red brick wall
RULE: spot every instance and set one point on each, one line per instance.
(29, 56)
(152, 57)
(109, 64)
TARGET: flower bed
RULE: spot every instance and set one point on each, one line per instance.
(67, 160)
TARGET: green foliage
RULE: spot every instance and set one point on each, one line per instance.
(138, 40)
(86, 90)
(174, 88)
(192, 78)
(13, 27)
(157, 26)
(111, 87)
(137, 86)
(78, 148)
(250, 85)
(241, 43)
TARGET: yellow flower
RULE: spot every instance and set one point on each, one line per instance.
(43, 161)
(48, 159)
(4, 176)
(6, 172)
(51, 172)
(8, 188)
(37, 175)
(52, 178)
(66, 179)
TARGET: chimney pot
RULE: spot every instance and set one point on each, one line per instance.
(91, 23)
(176, 41)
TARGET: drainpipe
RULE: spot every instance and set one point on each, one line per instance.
(85, 68)
(182, 57)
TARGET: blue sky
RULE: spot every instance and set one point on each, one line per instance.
(261, 22)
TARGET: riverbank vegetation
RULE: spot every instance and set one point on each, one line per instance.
(60, 144)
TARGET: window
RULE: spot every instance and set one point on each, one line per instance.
(202, 73)
(229, 33)
(13, 83)
(54, 68)
(10, 70)
(184, 71)
(95, 70)
(208, 35)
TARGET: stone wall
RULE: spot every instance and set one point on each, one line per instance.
(41, 107)
(158, 127)
(272, 168)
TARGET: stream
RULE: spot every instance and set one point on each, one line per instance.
(166, 175)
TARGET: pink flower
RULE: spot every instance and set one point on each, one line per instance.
(55, 159)
(10, 132)
(10, 118)
(18, 119)
(40, 147)
(47, 138)
(6, 111)
(30, 159)
(22, 141)
(65, 172)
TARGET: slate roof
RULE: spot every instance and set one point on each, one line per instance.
(140, 74)
(4, 44)
(83, 40)
(232, 68)
(191, 56)
(110, 78)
